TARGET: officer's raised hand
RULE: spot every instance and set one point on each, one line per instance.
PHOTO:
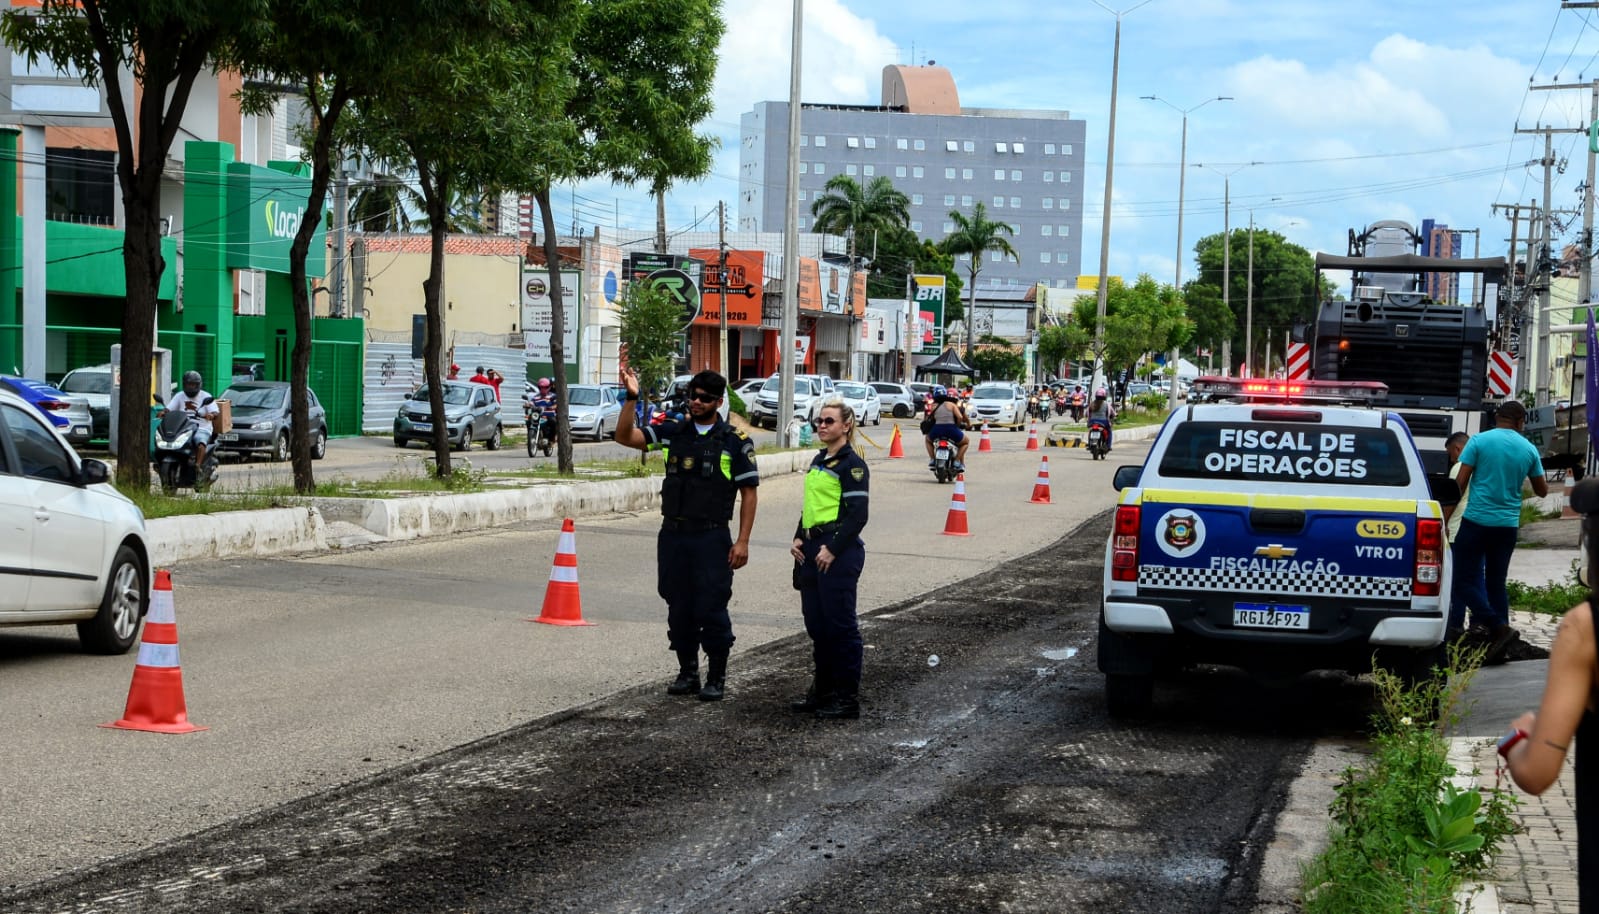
(627, 433)
(629, 379)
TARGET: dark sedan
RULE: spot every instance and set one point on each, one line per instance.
(261, 420)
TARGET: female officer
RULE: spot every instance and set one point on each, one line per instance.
(828, 555)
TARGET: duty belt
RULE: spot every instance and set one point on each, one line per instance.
(682, 525)
(811, 533)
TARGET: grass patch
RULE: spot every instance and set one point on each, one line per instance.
(1553, 598)
(1403, 838)
(1531, 513)
(155, 505)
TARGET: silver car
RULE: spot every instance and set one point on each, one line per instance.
(898, 400)
(591, 409)
(471, 413)
(93, 384)
(1000, 404)
(860, 397)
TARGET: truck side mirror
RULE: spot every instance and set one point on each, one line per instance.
(1126, 477)
(1443, 490)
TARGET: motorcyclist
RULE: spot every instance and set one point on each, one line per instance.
(544, 404)
(946, 420)
(194, 400)
(1102, 413)
(1079, 401)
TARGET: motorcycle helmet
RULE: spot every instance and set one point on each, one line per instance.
(191, 383)
(939, 391)
(544, 385)
(1099, 393)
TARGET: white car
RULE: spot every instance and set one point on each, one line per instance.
(866, 403)
(591, 410)
(1000, 404)
(72, 548)
(807, 387)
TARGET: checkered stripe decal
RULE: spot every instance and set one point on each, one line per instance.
(1166, 577)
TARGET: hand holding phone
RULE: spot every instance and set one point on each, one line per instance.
(1509, 741)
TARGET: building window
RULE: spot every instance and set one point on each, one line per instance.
(1065, 203)
(901, 144)
(966, 199)
(949, 174)
(821, 140)
(1065, 177)
(1066, 149)
(1063, 230)
(802, 196)
(802, 223)
(949, 199)
(1015, 202)
(1017, 148)
(966, 174)
(969, 146)
(949, 227)
(1049, 149)
(849, 169)
(916, 227)
(1015, 229)
(1043, 257)
(1049, 177)
(999, 202)
(1015, 175)
(804, 140)
(821, 168)
(999, 147)
(868, 170)
(1061, 257)
(853, 142)
(919, 145)
(993, 256)
(80, 186)
(999, 174)
(916, 199)
(871, 142)
(1049, 203)
(916, 171)
(1045, 231)
(899, 171)
(965, 258)
(805, 168)
(951, 146)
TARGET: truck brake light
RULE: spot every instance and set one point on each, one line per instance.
(1429, 557)
(1124, 544)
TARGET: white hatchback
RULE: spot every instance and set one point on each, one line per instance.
(72, 548)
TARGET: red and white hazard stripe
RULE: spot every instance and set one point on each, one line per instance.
(1501, 373)
(1298, 362)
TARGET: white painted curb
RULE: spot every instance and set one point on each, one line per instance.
(233, 533)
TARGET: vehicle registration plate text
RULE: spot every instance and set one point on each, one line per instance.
(422, 426)
(231, 436)
(1271, 615)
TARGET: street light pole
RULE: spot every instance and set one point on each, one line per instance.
(789, 325)
(1182, 180)
(1110, 167)
(1227, 252)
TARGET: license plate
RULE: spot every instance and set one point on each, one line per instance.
(943, 453)
(228, 437)
(1271, 615)
(421, 426)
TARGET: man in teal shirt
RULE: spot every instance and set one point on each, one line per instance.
(1494, 464)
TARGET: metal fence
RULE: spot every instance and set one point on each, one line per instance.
(390, 373)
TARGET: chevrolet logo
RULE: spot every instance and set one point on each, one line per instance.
(1275, 551)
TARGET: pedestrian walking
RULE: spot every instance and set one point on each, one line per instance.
(1494, 466)
(708, 463)
(1536, 747)
(828, 556)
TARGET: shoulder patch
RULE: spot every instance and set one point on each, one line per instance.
(740, 434)
(832, 463)
(858, 473)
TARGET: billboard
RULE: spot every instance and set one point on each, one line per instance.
(538, 315)
(682, 277)
(744, 287)
(927, 300)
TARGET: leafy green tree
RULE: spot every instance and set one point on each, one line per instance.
(975, 236)
(855, 212)
(997, 360)
(1061, 343)
(900, 255)
(383, 205)
(645, 68)
(473, 107)
(651, 331)
(166, 45)
(1140, 319)
(1285, 289)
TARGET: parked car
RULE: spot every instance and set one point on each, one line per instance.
(860, 397)
(747, 390)
(70, 415)
(591, 410)
(1137, 388)
(471, 413)
(807, 387)
(1000, 404)
(74, 548)
(93, 384)
(898, 400)
(261, 420)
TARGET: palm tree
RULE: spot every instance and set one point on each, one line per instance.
(383, 204)
(975, 235)
(850, 210)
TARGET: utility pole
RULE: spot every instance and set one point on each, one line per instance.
(785, 345)
(1541, 357)
(721, 244)
(341, 217)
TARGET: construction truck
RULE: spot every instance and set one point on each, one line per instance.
(1433, 355)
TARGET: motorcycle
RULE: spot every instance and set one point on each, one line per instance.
(944, 460)
(1097, 444)
(1038, 408)
(1061, 405)
(539, 438)
(175, 449)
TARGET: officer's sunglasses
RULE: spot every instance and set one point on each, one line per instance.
(701, 396)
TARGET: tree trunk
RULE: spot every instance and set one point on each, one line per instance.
(434, 193)
(304, 304)
(142, 262)
(552, 259)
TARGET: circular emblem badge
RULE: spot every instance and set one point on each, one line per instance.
(535, 288)
(1180, 533)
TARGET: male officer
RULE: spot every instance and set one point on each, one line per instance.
(707, 462)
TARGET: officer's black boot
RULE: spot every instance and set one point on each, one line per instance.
(814, 697)
(715, 676)
(688, 674)
(842, 704)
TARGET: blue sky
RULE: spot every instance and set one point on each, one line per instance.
(1355, 111)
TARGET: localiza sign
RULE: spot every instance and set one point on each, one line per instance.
(265, 208)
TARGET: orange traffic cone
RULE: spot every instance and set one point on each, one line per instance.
(895, 448)
(1032, 436)
(983, 444)
(563, 605)
(155, 698)
(1041, 487)
(955, 523)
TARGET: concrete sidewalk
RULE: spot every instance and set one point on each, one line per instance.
(1536, 871)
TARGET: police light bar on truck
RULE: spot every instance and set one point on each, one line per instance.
(1277, 390)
